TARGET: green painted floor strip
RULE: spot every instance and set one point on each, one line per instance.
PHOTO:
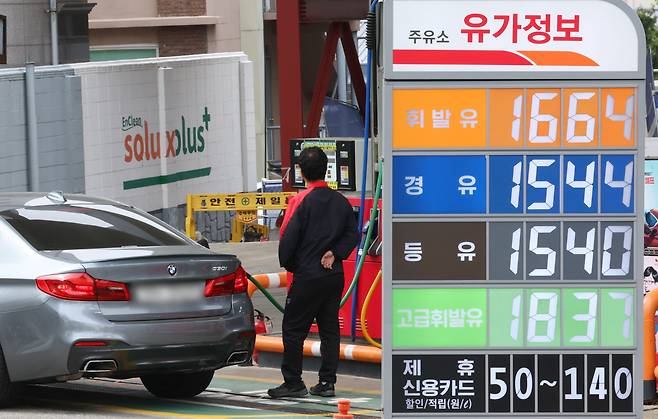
(248, 387)
(165, 179)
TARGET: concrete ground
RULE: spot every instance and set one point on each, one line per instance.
(235, 392)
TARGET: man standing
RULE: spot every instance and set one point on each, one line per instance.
(317, 234)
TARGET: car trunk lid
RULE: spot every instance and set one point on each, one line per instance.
(163, 283)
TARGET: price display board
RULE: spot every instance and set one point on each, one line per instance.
(514, 150)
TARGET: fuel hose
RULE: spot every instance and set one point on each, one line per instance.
(265, 292)
(366, 243)
(364, 310)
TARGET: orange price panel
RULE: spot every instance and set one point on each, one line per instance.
(618, 106)
(581, 117)
(506, 118)
(439, 118)
(543, 118)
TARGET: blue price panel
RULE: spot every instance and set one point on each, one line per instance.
(617, 194)
(543, 190)
(439, 184)
(541, 177)
(506, 183)
(531, 184)
(581, 184)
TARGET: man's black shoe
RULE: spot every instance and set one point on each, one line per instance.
(323, 389)
(286, 390)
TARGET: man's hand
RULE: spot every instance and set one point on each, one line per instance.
(328, 260)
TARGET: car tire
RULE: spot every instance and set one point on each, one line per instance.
(8, 390)
(181, 385)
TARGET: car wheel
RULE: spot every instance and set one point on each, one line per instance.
(177, 385)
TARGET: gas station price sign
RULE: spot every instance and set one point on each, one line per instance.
(514, 149)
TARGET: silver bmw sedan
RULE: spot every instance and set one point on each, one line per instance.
(91, 287)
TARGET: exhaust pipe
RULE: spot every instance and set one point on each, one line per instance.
(239, 357)
(99, 366)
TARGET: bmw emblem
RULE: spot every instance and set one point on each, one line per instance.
(172, 270)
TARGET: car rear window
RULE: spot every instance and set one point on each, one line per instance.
(70, 227)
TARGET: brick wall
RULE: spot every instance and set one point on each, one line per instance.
(183, 40)
(181, 7)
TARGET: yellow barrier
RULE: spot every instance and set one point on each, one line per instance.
(243, 203)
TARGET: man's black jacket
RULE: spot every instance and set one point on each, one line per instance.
(324, 220)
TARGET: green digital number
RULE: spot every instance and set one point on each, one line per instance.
(580, 317)
(507, 312)
(543, 326)
(439, 318)
(617, 316)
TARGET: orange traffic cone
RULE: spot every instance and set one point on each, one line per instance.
(343, 410)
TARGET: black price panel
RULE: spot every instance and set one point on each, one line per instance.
(499, 383)
(548, 383)
(438, 383)
(598, 394)
(573, 383)
(523, 383)
(622, 383)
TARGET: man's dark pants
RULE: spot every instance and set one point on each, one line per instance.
(310, 299)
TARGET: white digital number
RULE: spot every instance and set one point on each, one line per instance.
(610, 232)
(516, 314)
(587, 185)
(536, 118)
(597, 386)
(628, 310)
(587, 251)
(516, 124)
(628, 385)
(626, 185)
(575, 117)
(535, 317)
(516, 246)
(541, 184)
(551, 255)
(523, 394)
(626, 118)
(589, 317)
(516, 189)
(573, 394)
(498, 382)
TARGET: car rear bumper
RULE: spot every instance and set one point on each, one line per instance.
(44, 348)
(133, 361)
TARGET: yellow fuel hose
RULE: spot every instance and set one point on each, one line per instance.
(366, 303)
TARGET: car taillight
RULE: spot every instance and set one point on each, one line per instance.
(241, 281)
(234, 283)
(80, 286)
(111, 291)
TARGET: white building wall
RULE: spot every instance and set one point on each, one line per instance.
(115, 160)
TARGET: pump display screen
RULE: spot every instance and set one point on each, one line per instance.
(341, 172)
(514, 219)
